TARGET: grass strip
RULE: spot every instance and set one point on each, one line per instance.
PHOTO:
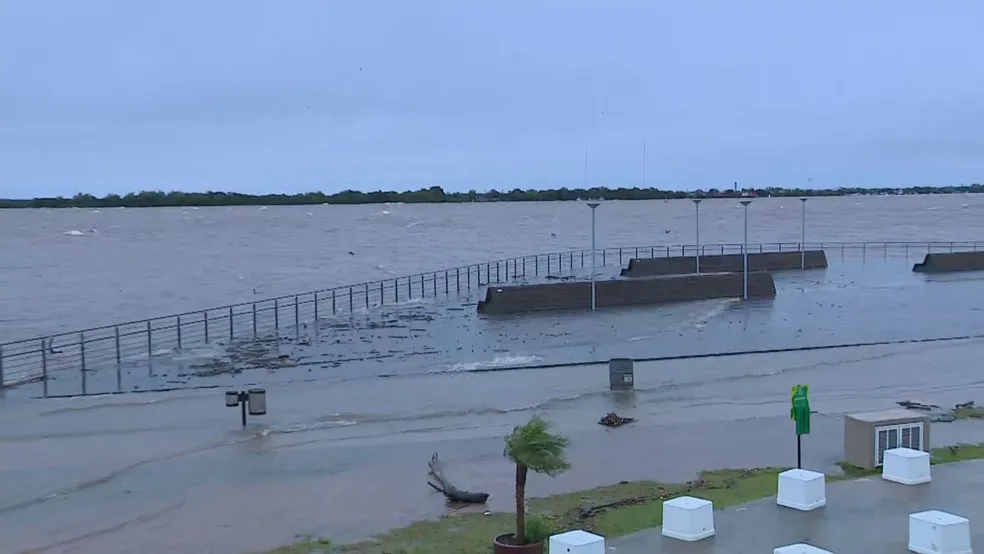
(610, 511)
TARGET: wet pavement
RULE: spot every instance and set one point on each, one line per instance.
(865, 516)
(176, 468)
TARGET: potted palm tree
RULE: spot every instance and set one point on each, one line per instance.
(532, 448)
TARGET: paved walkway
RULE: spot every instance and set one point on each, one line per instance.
(866, 516)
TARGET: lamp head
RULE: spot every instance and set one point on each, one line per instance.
(745, 203)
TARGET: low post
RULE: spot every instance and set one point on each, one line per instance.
(252, 401)
(621, 373)
(1, 368)
(44, 369)
(82, 359)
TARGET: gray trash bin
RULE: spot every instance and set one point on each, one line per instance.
(621, 373)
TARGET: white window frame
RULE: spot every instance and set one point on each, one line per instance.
(916, 426)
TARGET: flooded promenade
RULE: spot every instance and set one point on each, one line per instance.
(355, 417)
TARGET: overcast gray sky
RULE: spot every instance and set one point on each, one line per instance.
(292, 95)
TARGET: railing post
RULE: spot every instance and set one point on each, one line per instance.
(205, 321)
(150, 341)
(434, 283)
(619, 255)
(422, 293)
(333, 311)
(82, 355)
(604, 259)
(315, 310)
(254, 319)
(297, 317)
(367, 296)
(1, 368)
(119, 358)
(409, 288)
(536, 265)
(179, 332)
(44, 369)
(351, 302)
(276, 314)
(548, 264)
(524, 267)
(468, 277)
(498, 278)
(232, 328)
(382, 296)
(396, 290)
(457, 278)
(447, 285)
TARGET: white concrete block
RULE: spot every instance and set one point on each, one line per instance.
(802, 489)
(936, 532)
(906, 466)
(577, 542)
(800, 548)
(688, 519)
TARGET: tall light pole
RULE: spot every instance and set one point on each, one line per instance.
(744, 249)
(593, 206)
(697, 209)
(645, 180)
(803, 236)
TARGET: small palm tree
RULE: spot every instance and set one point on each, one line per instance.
(533, 447)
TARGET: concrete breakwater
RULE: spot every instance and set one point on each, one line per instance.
(718, 263)
(576, 295)
(950, 262)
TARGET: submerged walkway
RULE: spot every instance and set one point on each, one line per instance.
(864, 516)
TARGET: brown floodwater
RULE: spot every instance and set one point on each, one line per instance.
(174, 472)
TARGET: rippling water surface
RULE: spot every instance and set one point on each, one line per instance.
(143, 263)
(342, 452)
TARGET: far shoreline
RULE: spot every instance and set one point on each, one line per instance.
(437, 195)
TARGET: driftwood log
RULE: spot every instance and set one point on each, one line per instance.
(614, 420)
(440, 483)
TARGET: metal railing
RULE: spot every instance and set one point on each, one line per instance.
(140, 342)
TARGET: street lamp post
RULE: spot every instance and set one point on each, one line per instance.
(744, 250)
(593, 206)
(803, 236)
(697, 209)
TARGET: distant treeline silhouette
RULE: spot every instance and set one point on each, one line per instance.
(437, 195)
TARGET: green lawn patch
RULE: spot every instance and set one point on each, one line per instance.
(610, 511)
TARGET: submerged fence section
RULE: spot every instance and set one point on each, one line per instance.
(140, 342)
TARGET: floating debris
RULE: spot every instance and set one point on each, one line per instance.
(938, 414)
(614, 420)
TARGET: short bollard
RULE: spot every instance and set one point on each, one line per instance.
(253, 400)
(621, 374)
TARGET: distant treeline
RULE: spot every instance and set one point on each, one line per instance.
(436, 195)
